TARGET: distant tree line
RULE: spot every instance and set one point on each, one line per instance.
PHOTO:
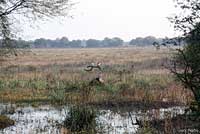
(64, 42)
(149, 40)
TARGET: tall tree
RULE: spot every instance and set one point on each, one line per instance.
(186, 62)
(33, 10)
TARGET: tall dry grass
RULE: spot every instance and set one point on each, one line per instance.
(136, 74)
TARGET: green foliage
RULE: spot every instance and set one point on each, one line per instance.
(185, 64)
(2, 85)
(75, 86)
(36, 84)
(139, 41)
(81, 119)
(93, 43)
(57, 92)
(107, 42)
(14, 84)
(107, 87)
(57, 96)
(194, 106)
(141, 84)
(123, 86)
(186, 67)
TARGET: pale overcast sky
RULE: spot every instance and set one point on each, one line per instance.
(97, 19)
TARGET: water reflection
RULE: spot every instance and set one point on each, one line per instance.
(45, 120)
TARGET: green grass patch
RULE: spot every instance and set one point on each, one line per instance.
(81, 119)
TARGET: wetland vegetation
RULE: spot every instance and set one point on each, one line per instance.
(137, 91)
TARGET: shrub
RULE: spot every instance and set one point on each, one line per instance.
(81, 119)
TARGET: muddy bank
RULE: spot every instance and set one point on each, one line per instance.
(181, 124)
(5, 122)
(133, 105)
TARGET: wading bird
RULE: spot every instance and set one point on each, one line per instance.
(93, 66)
